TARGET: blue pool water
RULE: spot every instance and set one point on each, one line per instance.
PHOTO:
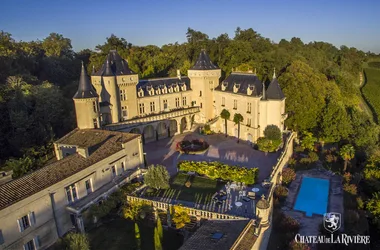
(313, 196)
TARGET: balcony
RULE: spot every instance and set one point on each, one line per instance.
(104, 191)
(164, 115)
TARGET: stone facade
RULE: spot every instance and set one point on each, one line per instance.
(123, 97)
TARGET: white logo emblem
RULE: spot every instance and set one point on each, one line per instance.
(332, 221)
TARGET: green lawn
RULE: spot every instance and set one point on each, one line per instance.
(119, 234)
(201, 188)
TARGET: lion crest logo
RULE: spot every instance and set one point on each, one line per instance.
(332, 221)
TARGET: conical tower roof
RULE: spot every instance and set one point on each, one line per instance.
(85, 88)
(204, 62)
(116, 66)
(274, 91)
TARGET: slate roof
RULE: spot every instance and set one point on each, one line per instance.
(274, 91)
(101, 144)
(243, 81)
(202, 238)
(85, 88)
(117, 66)
(204, 62)
(161, 82)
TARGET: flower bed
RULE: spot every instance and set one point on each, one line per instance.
(218, 170)
(192, 147)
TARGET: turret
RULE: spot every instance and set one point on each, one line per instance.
(86, 102)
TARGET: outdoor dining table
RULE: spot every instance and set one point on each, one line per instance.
(238, 204)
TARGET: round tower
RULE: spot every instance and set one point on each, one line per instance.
(262, 210)
(86, 102)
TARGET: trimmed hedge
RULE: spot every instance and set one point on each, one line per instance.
(218, 170)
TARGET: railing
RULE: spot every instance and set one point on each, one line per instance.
(153, 117)
(212, 121)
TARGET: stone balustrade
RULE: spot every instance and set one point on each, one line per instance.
(192, 211)
(152, 118)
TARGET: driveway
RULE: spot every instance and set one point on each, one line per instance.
(222, 149)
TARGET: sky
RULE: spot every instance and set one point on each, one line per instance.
(88, 22)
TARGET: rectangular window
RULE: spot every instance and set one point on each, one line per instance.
(235, 104)
(124, 112)
(223, 101)
(123, 95)
(152, 107)
(177, 102)
(165, 104)
(200, 93)
(88, 186)
(201, 105)
(249, 108)
(249, 122)
(211, 84)
(29, 245)
(71, 192)
(1, 238)
(113, 171)
(142, 108)
(26, 221)
(95, 107)
(184, 101)
(95, 121)
(122, 167)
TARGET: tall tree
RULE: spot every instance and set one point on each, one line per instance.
(226, 116)
(347, 152)
(159, 229)
(137, 236)
(157, 240)
(56, 45)
(157, 177)
(238, 118)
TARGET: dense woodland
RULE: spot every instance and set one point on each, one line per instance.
(321, 83)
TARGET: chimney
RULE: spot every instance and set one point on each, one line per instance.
(179, 74)
(83, 152)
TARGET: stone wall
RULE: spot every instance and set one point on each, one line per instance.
(264, 231)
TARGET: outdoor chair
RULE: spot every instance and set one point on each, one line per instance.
(252, 195)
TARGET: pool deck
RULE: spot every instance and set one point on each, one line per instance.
(310, 225)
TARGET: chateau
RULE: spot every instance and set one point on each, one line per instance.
(91, 163)
(157, 108)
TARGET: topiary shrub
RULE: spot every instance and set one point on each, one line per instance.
(313, 156)
(188, 184)
(288, 175)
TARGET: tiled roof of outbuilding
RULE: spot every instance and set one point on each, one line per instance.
(100, 143)
(230, 230)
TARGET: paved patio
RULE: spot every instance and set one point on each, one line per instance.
(222, 149)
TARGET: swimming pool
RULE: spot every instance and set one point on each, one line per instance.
(313, 196)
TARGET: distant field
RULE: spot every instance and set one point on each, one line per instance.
(374, 65)
(371, 90)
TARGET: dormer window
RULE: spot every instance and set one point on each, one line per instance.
(170, 89)
(150, 90)
(224, 85)
(164, 89)
(183, 87)
(176, 87)
(140, 92)
(236, 87)
(250, 89)
(158, 91)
